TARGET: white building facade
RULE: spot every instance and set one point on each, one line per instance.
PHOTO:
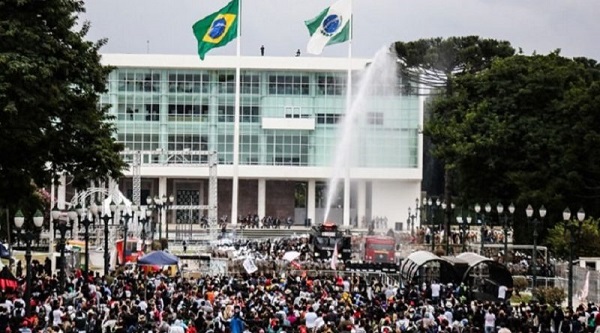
(288, 120)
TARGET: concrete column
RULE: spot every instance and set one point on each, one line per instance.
(361, 202)
(162, 190)
(347, 190)
(312, 198)
(262, 198)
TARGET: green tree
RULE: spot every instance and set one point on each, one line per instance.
(50, 80)
(436, 63)
(524, 129)
(587, 242)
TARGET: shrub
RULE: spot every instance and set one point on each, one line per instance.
(520, 282)
(550, 295)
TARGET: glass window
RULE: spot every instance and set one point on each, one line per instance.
(330, 84)
(288, 85)
(227, 83)
(250, 84)
(226, 114)
(375, 118)
(250, 114)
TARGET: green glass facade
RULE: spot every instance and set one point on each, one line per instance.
(177, 109)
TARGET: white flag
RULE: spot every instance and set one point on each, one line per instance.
(334, 258)
(331, 26)
(249, 266)
(586, 287)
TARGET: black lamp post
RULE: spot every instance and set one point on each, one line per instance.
(488, 209)
(86, 222)
(432, 209)
(412, 216)
(106, 218)
(28, 234)
(62, 226)
(126, 218)
(144, 218)
(535, 222)
(464, 224)
(159, 204)
(449, 212)
(506, 225)
(575, 233)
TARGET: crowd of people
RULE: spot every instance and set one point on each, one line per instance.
(138, 301)
(271, 300)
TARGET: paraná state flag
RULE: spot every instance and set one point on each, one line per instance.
(334, 257)
(217, 29)
(331, 26)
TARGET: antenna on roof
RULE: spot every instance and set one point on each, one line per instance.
(148, 46)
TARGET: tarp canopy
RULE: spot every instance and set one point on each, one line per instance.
(158, 258)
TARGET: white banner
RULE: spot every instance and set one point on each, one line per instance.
(249, 266)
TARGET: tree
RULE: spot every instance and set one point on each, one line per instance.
(524, 129)
(50, 80)
(587, 243)
(435, 63)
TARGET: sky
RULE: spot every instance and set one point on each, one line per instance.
(165, 26)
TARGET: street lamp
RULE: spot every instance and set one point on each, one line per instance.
(535, 222)
(126, 218)
(159, 204)
(464, 224)
(62, 226)
(86, 222)
(575, 233)
(28, 234)
(412, 217)
(143, 219)
(447, 224)
(506, 225)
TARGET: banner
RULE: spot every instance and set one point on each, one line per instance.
(249, 266)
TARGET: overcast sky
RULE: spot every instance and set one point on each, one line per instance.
(534, 25)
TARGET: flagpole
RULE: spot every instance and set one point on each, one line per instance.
(236, 124)
(346, 216)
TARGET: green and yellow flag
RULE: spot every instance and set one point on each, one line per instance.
(217, 29)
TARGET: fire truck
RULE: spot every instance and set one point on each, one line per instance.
(380, 249)
(325, 237)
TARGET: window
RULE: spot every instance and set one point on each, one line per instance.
(328, 119)
(226, 114)
(188, 112)
(330, 85)
(288, 85)
(250, 114)
(188, 83)
(139, 81)
(250, 84)
(375, 118)
(226, 83)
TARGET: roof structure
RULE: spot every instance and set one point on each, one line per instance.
(497, 271)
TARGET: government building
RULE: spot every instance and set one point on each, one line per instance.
(177, 113)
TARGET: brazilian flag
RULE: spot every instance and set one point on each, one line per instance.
(217, 29)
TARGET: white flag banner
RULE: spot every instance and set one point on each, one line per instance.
(334, 257)
(586, 287)
(249, 266)
(331, 26)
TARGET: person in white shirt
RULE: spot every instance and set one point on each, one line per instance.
(502, 293)
(57, 315)
(435, 292)
(319, 322)
(490, 322)
(310, 318)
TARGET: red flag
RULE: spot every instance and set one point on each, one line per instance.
(296, 265)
